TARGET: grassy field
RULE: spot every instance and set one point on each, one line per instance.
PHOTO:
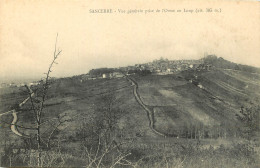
(177, 103)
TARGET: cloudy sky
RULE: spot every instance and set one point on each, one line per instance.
(28, 30)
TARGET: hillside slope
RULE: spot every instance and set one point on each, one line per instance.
(208, 99)
(192, 110)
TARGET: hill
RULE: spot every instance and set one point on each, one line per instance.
(157, 111)
(219, 62)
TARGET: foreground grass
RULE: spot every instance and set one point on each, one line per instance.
(188, 156)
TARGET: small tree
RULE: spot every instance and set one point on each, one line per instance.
(37, 97)
(250, 117)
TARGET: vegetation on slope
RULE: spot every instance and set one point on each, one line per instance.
(210, 118)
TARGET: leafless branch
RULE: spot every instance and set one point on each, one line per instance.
(30, 92)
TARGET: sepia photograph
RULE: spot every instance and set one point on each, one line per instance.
(130, 84)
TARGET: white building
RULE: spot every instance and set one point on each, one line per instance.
(104, 75)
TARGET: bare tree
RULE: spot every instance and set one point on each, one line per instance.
(37, 99)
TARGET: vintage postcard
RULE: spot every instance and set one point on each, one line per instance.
(121, 84)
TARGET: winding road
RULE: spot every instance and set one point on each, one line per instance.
(14, 113)
(148, 111)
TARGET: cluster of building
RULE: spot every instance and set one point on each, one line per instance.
(159, 67)
(102, 76)
(112, 75)
(164, 66)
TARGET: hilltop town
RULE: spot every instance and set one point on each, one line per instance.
(162, 66)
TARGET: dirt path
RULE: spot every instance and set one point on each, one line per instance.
(148, 111)
(15, 118)
(13, 126)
